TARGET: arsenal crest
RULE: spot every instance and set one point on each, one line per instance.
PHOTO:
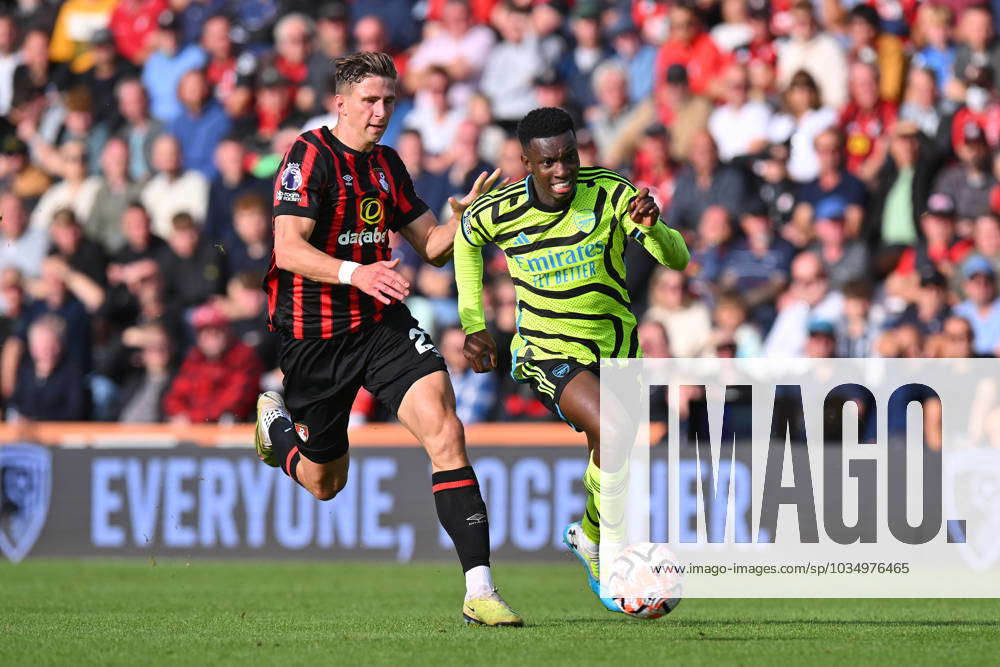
(25, 485)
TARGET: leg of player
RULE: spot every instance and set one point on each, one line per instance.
(580, 404)
(277, 444)
(428, 411)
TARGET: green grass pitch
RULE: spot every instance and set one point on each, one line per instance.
(206, 613)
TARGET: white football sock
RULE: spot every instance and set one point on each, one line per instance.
(478, 582)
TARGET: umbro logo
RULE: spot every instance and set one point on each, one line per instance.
(476, 518)
(522, 239)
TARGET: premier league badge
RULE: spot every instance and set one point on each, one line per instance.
(25, 485)
(291, 176)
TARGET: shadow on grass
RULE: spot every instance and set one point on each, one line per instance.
(696, 624)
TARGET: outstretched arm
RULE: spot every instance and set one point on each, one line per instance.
(480, 348)
(642, 222)
(434, 242)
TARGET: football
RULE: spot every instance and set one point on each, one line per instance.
(645, 580)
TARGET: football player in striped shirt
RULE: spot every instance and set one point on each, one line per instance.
(563, 229)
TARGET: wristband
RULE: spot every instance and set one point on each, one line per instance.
(347, 270)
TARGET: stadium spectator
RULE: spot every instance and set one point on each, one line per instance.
(146, 386)
(738, 125)
(133, 25)
(21, 247)
(807, 299)
(653, 167)
(801, 119)
(638, 58)
(921, 104)
(772, 186)
(53, 295)
(475, 393)
(551, 91)
(844, 259)
(36, 73)
(579, 64)
(434, 116)
(969, 181)
(690, 46)
(956, 339)
(220, 70)
(509, 161)
(397, 18)
(731, 327)
(704, 182)
(857, 333)
(293, 43)
(245, 306)
(462, 161)
(115, 192)
(231, 181)
(709, 252)
(74, 30)
(18, 175)
(86, 263)
(50, 385)
(932, 35)
(817, 53)
(173, 190)
(218, 380)
(981, 308)
(273, 109)
(902, 187)
(653, 340)
(884, 51)
(977, 45)
(249, 250)
(333, 37)
(865, 121)
(548, 22)
(431, 186)
(939, 250)
(757, 266)
(734, 30)
(165, 66)
(821, 340)
(673, 106)
(929, 309)
(686, 320)
(458, 46)
(140, 241)
(612, 111)
(72, 122)
(833, 183)
(138, 129)
(8, 61)
(511, 66)
(201, 124)
(76, 190)
(103, 77)
(193, 268)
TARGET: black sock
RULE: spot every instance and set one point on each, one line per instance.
(462, 512)
(285, 443)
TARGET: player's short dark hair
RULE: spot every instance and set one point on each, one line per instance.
(542, 123)
(357, 67)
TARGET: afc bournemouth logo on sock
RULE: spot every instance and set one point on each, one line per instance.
(25, 486)
(303, 431)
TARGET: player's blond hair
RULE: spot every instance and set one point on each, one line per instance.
(357, 67)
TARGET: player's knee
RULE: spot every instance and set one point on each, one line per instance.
(328, 489)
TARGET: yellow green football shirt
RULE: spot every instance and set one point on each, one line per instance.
(567, 265)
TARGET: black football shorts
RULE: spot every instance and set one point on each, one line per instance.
(547, 379)
(323, 376)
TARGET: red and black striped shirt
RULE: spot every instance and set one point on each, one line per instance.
(355, 198)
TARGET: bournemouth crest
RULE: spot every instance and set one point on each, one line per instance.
(972, 491)
(25, 486)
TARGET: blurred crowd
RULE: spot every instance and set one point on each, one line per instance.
(834, 166)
